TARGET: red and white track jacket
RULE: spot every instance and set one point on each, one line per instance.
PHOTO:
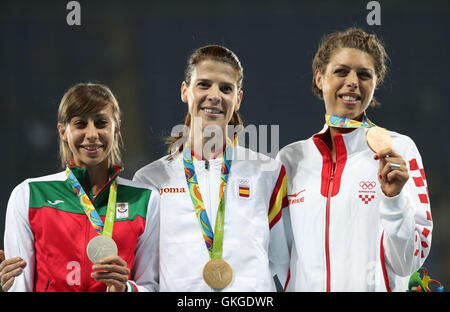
(347, 235)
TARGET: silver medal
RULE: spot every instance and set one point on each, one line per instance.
(100, 247)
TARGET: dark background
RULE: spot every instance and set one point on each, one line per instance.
(139, 49)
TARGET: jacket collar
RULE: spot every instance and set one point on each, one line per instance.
(355, 141)
(217, 154)
(82, 176)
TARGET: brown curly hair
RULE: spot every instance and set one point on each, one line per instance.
(350, 38)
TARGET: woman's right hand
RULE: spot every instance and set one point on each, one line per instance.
(9, 269)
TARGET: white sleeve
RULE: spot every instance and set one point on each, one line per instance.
(278, 242)
(139, 176)
(19, 238)
(406, 220)
(286, 220)
(145, 271)
(279, 254)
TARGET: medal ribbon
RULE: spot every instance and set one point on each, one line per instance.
(89, 209)
(342, 122)
(213, 240)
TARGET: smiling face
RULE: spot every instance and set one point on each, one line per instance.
(212, 93)
(348, 83)
(90, 137)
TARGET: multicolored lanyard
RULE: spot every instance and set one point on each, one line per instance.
(342, 122)
(213, 241)
(89, 209)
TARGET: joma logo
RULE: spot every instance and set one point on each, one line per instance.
(172, 190)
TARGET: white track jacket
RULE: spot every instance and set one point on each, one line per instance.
(254, 242)
(349, 236)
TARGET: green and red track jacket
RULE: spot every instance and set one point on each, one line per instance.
(47, 227)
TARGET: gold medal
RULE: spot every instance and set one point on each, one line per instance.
(217, 273)
(378, 139)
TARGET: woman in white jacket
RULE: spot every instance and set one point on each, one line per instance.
(361, 220)
(220, 203)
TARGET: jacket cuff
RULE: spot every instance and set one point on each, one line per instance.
(131, 287)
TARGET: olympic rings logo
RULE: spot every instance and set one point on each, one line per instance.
(244, 181)
(367, 185)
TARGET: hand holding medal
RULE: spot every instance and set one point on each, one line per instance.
(113, 271)
(393, 173)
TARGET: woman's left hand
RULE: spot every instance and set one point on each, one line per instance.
(391, 179)
(114, 273)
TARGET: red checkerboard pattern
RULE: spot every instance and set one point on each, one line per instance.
(418, 176)
(366, 198)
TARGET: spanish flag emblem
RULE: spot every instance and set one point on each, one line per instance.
(244, 191)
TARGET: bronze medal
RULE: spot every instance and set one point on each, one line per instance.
(217, 273)
(378, 139)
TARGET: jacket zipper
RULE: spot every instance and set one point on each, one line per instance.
(327, 229)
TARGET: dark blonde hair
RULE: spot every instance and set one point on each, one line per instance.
(86, 98)
(350, 38)
(216, 53)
